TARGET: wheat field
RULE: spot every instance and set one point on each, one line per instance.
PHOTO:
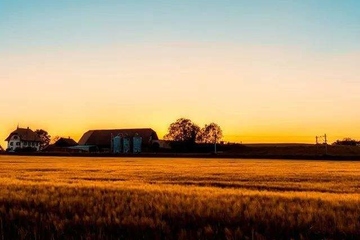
(134, 198)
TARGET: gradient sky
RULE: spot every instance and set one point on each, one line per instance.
(265, 71)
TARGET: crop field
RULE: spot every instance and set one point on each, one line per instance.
(134, 198)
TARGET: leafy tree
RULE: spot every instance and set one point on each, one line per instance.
(347, 142)
(182, 130)
(210, 133)
(44, 137)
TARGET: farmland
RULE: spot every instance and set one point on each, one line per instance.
(132, 198)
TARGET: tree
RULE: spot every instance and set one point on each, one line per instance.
(55, 139)
(182, 130)
(210, 133)
(44, 138)
(347, 142)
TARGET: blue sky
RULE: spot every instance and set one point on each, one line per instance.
(274, 71)
(316, 25)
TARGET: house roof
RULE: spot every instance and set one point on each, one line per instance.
(103, 137)
(1, 149)
(25, 134)
(65, 142)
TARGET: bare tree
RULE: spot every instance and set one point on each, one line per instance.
(55, 139)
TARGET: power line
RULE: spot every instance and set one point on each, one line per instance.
(322, 138)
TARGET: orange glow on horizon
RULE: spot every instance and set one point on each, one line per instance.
(255, 93)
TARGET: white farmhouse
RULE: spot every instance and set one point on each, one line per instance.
(23, 138)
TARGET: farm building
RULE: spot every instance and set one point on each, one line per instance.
(61, 145)
(102, 139)
(65, 142)
(23, 138)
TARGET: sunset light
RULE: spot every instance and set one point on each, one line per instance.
(265, 72)
(188, 119)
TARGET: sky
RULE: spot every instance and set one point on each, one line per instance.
(265, 71)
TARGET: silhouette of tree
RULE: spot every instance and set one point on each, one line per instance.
(347, 142)
(182, 130)
(210, 133)
(55, 139)
(44, 137)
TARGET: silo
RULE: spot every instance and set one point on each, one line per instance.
(126, 145)
(137, 141)
(117, 144)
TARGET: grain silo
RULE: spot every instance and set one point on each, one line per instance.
(117, 144)
(137, 142)
(126, 145)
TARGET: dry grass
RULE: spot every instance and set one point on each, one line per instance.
(94, 198)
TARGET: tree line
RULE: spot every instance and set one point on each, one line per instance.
(347, 142)
(184, 130)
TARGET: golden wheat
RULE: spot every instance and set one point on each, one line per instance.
(119, 198)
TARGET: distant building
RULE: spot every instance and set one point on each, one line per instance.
(65, 142)
(102, 138)
(61, 145)
(23, 138)
(1, 149)
(161, 144)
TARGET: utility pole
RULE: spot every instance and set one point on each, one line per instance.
(325, 139)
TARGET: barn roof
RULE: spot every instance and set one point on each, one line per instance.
(65, 142)
(103, 137)
(25, 134)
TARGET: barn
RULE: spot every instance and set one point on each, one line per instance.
(102, 138)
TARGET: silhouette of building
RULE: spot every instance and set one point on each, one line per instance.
(102, 138)
(23, 138)
(65, 142)
(61, 145)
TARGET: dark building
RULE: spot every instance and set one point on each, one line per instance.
(61, 145)
(65, 142)
(102, 138)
